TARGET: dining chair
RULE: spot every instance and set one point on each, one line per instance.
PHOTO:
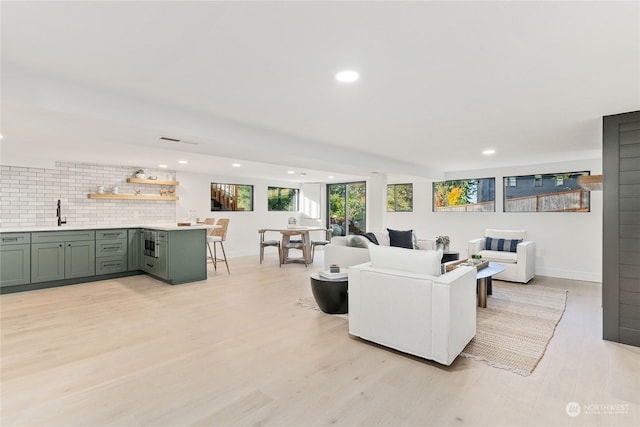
(272, 242)
(320, 242)
(218, 235)
(288, 243)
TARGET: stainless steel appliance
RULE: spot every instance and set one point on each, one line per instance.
(151, 242)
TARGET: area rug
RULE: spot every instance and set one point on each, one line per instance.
(310, 302)
(514, 330)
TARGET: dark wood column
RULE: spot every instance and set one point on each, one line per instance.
(621, 228)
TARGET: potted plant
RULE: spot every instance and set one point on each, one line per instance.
(442, 242)
(140, 174)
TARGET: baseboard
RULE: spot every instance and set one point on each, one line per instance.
(570, 274)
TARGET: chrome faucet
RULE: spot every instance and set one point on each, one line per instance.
(59, 214)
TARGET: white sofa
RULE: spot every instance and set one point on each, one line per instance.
(396, 302)
(338, 252)
(519, 266)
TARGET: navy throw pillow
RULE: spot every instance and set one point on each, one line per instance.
(504, 245)
(372, 238)
(401, 239)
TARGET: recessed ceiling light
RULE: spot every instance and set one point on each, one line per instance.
(291, 172)
(489, 152)
(331, 177)
(347, 76)
(163, 166)
(236, 165)
(183, 162)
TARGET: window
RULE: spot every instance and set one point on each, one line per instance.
(510, 181)
(231, 197)
(553, 192)
(282, 199)
(347, 205)
(400, 198)
(465, 195)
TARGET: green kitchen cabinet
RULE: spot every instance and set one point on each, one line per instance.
(15, 259)
(79, 259)
(135, 249)
(181, 256)
(62, 255)
(47, 262)
(111, 251)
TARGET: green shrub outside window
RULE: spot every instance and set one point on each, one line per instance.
(282, 199)
(400, 198)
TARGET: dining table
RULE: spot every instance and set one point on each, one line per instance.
(285, 239)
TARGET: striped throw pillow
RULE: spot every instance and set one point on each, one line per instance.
(504, 245)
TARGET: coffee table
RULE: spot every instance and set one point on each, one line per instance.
(330, 294)
(483, 280)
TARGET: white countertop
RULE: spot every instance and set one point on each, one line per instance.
(67, 227)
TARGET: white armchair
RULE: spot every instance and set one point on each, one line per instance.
(400, 300)
(517, 258)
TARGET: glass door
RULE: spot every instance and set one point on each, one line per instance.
(347, 205)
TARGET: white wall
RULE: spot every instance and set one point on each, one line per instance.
(242, 234)
(569, 245)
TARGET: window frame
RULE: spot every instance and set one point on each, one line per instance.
(395, 197)
(236, 208)
(297, 198)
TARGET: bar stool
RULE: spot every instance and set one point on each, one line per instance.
(218, 235)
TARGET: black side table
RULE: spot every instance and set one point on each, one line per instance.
(330, 294)
(448, 256)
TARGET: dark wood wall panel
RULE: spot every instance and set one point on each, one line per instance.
(631, 150)
(621, 228)
(630, 285)
(629, 217)
(630, 258)
(631, 190)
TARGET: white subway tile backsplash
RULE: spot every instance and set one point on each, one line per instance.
(29, 196)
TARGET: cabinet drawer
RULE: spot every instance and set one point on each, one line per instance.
(15, 238)
(112, 264)
(62, 236)
(111, 234)
(116, 247)
(162, 236)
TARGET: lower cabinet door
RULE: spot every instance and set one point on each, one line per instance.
(80, 259)
(150, 264)
(135, 250)
(15, 265)
(47, 262)
(163, 264)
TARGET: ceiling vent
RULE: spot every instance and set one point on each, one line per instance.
(177, 141)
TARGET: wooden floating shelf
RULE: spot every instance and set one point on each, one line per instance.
(590, 182)
(152, 181)
(130, 197)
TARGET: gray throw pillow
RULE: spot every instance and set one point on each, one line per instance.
(356, 241)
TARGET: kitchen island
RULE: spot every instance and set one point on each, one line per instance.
(41, 257)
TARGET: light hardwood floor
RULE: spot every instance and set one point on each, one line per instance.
(237, 350)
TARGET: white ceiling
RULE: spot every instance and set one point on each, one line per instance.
(252, 82)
